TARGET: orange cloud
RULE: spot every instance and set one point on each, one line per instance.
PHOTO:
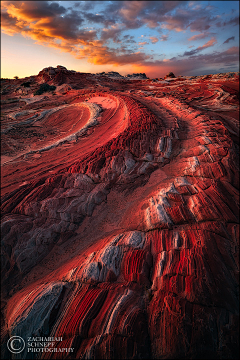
(34, 10)
(100, 55)
(153, 39)
(132, 9)
(210, 43)
(234, 50)
(199, 36)
(50, 25)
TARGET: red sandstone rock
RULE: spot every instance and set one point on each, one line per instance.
(120, 219)
(169, 75)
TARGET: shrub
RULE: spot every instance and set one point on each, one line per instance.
(16, 77)
(44, 88)
(26, 84)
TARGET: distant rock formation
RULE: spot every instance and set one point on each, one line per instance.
(52, 70)
(169, 75)
(137, 76)
(114, 74)
(60, 67)
(52, 73)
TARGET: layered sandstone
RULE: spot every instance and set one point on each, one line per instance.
(120, 213)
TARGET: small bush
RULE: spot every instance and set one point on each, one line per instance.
(26, 84)
(11, 100)
(16, 77)
(44, 88)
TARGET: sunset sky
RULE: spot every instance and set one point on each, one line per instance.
(155, 37)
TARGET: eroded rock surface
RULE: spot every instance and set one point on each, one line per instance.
(120, 210)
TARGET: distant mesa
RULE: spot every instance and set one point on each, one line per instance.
(52, 70)
(169, 75)
(115, 74)
(139, 76)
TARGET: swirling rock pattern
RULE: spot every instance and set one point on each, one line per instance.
(120, 218)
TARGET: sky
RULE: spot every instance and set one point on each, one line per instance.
(154, 37)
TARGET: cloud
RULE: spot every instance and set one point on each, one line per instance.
(200, 24)
(195, 18)
(96, 18)
(229, 39)
(101, 55)
(208, 44)
(197, 65)
(130, 11)
(164, 37)
(136, 13)
(10, 25)
(34, 10)
(153, 39)
(128, 39)
(172, 15)
(199, 36)
(232, 22)
(69, 29)
(49, 21)
(177, 23)
(113, 32)
(52, 25)
(234, 50)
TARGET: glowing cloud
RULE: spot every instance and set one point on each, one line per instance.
(153, 39)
